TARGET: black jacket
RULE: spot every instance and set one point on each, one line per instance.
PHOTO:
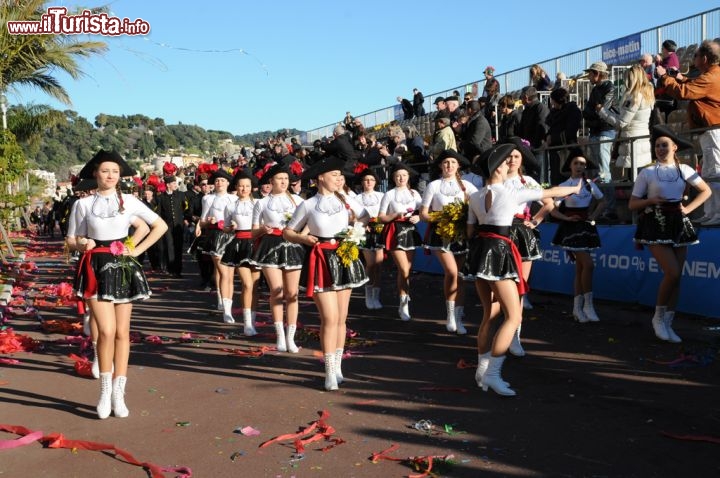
(475, 137)
(601, 94)
(341, 147)
(533, 123)
(564, 124)
(172, 209)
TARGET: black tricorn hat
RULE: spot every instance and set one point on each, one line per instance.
(491, 158)
(449, 153)
(102, 156)
(277, 168)
(662, 130)
(242, 174)
(395, 167)
(325, 164)
(220, 173)
(529, 161)
(572, 154)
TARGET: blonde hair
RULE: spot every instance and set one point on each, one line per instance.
(638, 87)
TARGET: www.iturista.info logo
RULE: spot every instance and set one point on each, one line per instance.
(57, 21)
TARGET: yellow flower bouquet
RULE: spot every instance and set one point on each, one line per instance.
(451, 221)
(351, 238)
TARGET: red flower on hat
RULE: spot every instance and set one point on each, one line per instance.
(359, 168)
(169, 169)
(74, 180)
(296, 168)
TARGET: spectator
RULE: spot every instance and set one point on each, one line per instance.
(444, 138)
(415, 144)
(603, 93)
(633, 119)
(648, 65)
(539, 79)
(348, 121)
(533, 125)
(703, 112)
(491, 90)
(559, 79)
(453, 108)
(475, 136)
(418, 103)
(669, 61)
(341, 145)
(509, 119)
(563, 124)
(441, 107)
(407, 108)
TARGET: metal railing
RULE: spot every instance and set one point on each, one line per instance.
(686, 31)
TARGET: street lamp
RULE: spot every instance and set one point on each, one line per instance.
(3, 105)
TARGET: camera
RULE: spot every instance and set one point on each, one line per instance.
(672, 72)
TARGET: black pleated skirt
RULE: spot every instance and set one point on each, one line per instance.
(276, 252)
(658, 226)
(527, 240)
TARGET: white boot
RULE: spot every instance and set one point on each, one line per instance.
(291, 347)
(492, 379)
(368, 298)
(658, 323)
(483, 362)
(516, 347)
(280, 333)
(248, 328)
(86, 324)
(589, 309)
(227, 311)
(118, 397)
(104, 404)
(338, 366)
(330, 375)
(578, 313)
(459, 316)
(404, 309)
(369, 304)
(450, 324)
(668, 319)
(376, 298)
(96, 363)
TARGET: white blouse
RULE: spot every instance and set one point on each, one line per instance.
(442, 192)
(400, 200)
(325, 215)
(275, 210)
(98, 217)
(583, 198)
(665, 181)
(504, 204)
(241, 212)
(214, 205)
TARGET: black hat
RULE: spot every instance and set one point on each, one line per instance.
(439, 99)
(400, 165)
(102, 156)
(220, 173)
(87, 184)
(452, 98)
(572, 154)
(366, 172)
(492, 158)
(327, 163)
(275, 169)
(242, 174)
(663, 130)
(449, 153)
(529, 161)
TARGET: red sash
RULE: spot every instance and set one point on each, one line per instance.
(388, 236)
(85, 268)
(243, 234)
(317, 266)
(523, 287)
(274, 232)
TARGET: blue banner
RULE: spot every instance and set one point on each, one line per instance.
(622, 50)
(622, 272)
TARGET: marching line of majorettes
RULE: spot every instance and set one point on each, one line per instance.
(294, 243)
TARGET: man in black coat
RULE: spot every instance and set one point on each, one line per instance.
(341, 145)
(407, 108)
(475, 138)
(172, 208)
(533, 125)
(418, 103)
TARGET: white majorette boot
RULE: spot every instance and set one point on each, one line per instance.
(492, 378)
(248, 327)
(118, 397)
(668, 319)
(280, 343)
(658, 323)
(331, 382)
(483, 362)
(369, 304)
(376, 298)
(459, 316)
(338, 366)
(227, 311)
(589, 309)
(96, 363)
(290, 342)
(404, 308)
(516, 347)
(450, 324)
(104, 405)
(578, 313)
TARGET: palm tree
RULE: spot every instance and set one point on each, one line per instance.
(31, 60)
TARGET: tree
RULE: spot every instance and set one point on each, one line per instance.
(32, 60)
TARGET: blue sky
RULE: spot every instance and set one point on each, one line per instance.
(309, 62)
